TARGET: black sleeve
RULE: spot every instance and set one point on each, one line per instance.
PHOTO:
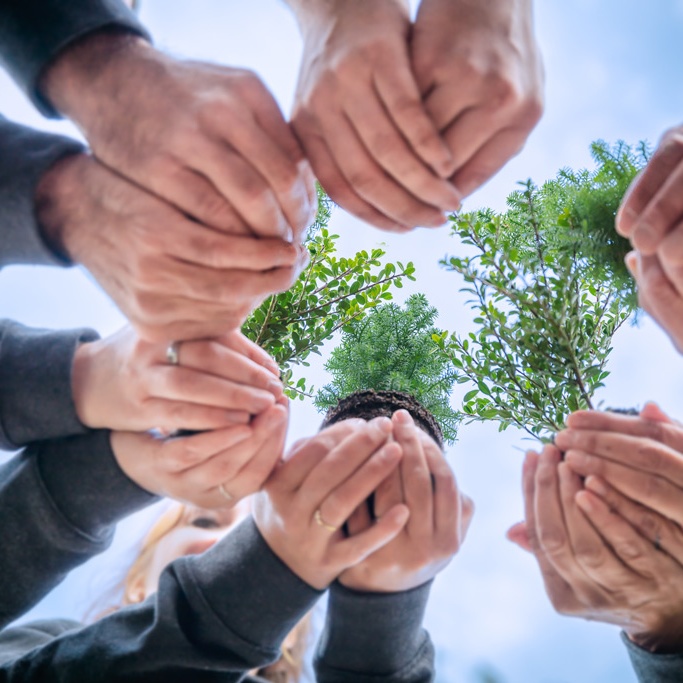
(25, 156)
(375, 638)
(654, 668)
(214, 618)
(34, 32)
(59, 503)
(36, 401)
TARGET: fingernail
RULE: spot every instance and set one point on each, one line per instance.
(644, 239)
(625, 214)
(577, 459)
(585, 502)
(403, 417)
(381, 423)
(596, 485)
(275, 388)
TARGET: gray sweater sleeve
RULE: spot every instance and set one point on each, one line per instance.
(654, 668)
(25, 156)
(59, 503)
(35, 383)
(373, 637)
(34, 32)
(214, 618)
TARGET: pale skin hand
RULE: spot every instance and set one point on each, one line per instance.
(359, 116)
(479, 70)
(190, 469)
(209, 139)
(439, 517)
(596, 556)
(652, 210)
(660, 285)
(173, 278)
(332, 472)
(125, 383)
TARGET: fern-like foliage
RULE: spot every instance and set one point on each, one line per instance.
(392, 349)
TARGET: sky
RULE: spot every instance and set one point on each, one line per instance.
(612, 73)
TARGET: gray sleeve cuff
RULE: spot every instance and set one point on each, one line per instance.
(36, 402)
(375, 636)
(34, 32)
(251, 597)
(651, 667)
(25, 156)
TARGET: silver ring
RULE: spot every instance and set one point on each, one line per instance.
(228, 496)
(172, 353)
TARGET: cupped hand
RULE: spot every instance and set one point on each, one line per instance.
(651, 212)
(172, 277)
(208, 139)
(597, 555)
(311, 495)
(210, 470)
(125, 383)
(479, 70)
(359, 115)
(439, 517)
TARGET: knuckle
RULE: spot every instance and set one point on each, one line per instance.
(589, 555)
(652, 487)
(552, 540)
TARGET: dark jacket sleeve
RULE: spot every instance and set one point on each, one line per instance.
(25, 156)
(36, 402)
(654, 668)
(214, 618)
(373, 637)
(59, 503)
(34, 32)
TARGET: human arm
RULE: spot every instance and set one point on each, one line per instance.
(385, 594)
(214, 617)
(359, 115)
(479, 69)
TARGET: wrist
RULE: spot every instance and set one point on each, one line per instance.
(59, 191)
(665, 640)
(84, 79)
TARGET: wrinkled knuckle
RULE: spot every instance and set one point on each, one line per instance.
(552, 540)
(652, 487)
(629, 551)
(589, 555)
(649, 525)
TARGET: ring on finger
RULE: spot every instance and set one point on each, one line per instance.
(173, 353)
(317, 516)
(226, 494)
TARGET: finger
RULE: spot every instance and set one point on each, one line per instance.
(182, 384)
(489, 159)
(238, 342)
(653, 204)
(452, 511)
(172, 416)
(355, 549)
(415, 476)
(670, 255)
(335, 184)
(340, 503)
(178, 454)
(659, 531)
(640, 453)
(649, 424)
(517, 534)
(370, 181)
(589, 550)
(529, 492)
(360, 519)
(652, 491)
(214, 358)
(390, 150)
(388, 493)
(402, 99)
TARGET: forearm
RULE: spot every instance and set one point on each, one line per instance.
(34, 34)
(59, 503)
(375, 636)
(36, 400)
(214, 617)
(26, 158)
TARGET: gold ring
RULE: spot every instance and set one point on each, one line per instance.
(321, 522)
(173, 353)
(228, 496)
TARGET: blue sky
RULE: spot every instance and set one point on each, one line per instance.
(612, 73)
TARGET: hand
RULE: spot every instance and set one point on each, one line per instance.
(639, 456)
(596, 557)
(479, 70)
(125, 383)
(652, 209)
(309, 497)
(360, 118)
(210, 470)
(439, 517)
(173, 278)
(208, 139)
(660, 288)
